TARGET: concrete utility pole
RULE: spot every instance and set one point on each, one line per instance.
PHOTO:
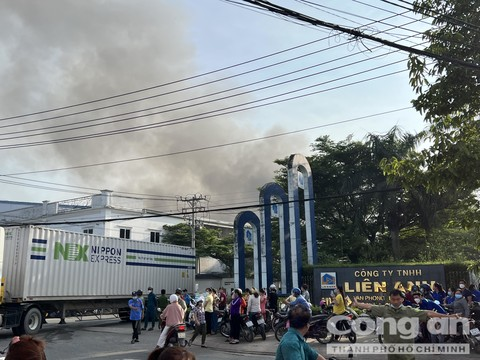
(193, 203)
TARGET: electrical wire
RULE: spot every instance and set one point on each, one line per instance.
(175, 82)
(156, 86)
(183, 89)
(230, 208)
(205, 148)
(437, 14)
(213, 113)
(23, 135)
(426, 53)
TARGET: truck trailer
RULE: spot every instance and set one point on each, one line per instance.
(45, 271)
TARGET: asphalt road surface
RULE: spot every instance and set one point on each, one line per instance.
(109, 338)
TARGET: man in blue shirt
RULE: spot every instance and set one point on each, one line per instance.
(136, 313)
(293, 345)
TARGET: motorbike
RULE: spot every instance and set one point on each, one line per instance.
(344, 326)
(473, 335)
(175, 335)
(317, 328)
(281, 325)
(258, 325)
(224, 322)
(269, 319)
(246, 328)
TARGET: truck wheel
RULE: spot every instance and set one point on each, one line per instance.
(31, 321)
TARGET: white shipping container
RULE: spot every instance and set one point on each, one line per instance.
(41, 264)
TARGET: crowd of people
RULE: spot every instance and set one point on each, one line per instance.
(200, 310)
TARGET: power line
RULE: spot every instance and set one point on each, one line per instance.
(359, 34)
(206, 147)
(195, 98)
(22, 134)
(242, 207)
(212, 113)
(175, 82)
(441, 18)
(175, 91)
(117, 193)
(158, 86)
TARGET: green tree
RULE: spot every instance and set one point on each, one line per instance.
(208, 242)
(443, 176)
(359, 214)
(449, 97)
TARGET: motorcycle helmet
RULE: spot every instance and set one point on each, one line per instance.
(273, 287)
(173, 298)
(178, 291)
(139, 292)
(296, 291)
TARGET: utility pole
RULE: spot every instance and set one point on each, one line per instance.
(193, 206)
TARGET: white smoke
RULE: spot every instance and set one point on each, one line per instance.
(55, 53)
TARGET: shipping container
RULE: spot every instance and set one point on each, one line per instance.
(46, 270)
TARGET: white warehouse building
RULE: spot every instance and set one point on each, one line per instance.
(118, 216)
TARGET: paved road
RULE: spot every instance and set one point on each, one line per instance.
(109, 339)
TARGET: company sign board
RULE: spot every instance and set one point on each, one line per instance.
(373, 284)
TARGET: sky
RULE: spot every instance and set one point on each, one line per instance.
(203, 95)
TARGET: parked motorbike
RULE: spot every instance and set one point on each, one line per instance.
(269, 319)
(473, 335)
(258, 325)
(246, 328)
(281, 325)
(224, 322)
(344, 326)
(175, 335)
(317, 328)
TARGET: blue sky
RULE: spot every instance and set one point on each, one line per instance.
(65, 52)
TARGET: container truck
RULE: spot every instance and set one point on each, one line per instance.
(46, 271)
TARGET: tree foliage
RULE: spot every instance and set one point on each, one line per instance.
(447, 170)
(449, 98)
(208, 242)
(361, 215)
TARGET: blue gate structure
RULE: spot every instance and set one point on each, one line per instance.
(289, 230)
(243, 218)
(272, 193)
(298, 164)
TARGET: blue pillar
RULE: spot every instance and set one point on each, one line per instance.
(267, 192)
(243, 218)
(298, 163)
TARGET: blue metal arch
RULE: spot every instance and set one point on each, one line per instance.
(267, 192)
(298, 163)
(243, 218)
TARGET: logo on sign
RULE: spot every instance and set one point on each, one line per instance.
(328, 280)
